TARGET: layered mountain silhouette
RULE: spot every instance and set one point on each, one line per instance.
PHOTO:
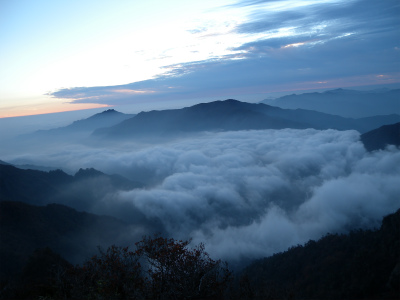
(379, 138)
(233, 115)
(80, 191)
(78, 129)
(346, 103)
(106, 118)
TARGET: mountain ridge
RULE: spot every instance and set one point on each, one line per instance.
(106, 118)
(343, 102)
(232, 114)
(379, 138)
(41, 188)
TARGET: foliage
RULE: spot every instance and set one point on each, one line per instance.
(42, 275)
(359, 265)
(176, 272)
(159, 268)
(113, 274)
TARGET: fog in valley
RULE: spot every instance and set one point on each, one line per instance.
(228, 149)
(246, 194)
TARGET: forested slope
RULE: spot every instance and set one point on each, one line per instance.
(360, 265)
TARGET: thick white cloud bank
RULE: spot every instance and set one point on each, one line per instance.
(254, 193)
(249, 193)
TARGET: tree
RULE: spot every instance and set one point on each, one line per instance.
(174, 271)
(113, 274)
(41, 276)
(159, 268)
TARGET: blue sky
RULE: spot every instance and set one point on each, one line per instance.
(69, 55)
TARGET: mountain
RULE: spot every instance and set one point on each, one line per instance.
(74, 235)
(346, 103)
(360, 265)
(231, 115)
(75, 132)
(218, 115)
(363, 264)
(106, 118)
(31, 167)
(379, 138)
(81, 191)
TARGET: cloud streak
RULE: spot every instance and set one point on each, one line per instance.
(280, 45)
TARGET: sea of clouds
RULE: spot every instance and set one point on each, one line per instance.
(246, 194)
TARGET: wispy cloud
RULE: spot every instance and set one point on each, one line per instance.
(272, 43)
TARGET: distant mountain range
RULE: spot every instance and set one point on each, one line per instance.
(227, 115)
(106, 118)
(233, 115)
(379, 138)
(346, 103)
(356, 264)
(80, 128)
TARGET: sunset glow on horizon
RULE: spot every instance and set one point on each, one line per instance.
(59, 57)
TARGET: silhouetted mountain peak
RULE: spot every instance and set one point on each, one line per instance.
(107, 113)
(227, 115)
(89, 172)
(110, 111)
(81, 127)
(229, 104)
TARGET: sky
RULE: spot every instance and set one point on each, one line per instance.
(133, 55)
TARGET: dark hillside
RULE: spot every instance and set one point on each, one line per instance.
(360, 265)
(379, 138)
(75, 235)
(40, 188)
(30, 186)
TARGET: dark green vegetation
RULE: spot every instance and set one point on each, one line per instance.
(360, 265)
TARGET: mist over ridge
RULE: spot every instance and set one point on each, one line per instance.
(231, 174)
(263, 132)
(259, 191)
